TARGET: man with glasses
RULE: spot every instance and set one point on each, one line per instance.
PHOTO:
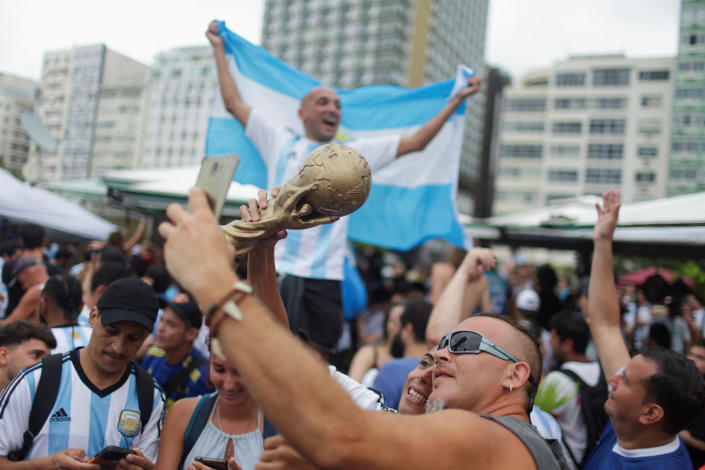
(490, 392)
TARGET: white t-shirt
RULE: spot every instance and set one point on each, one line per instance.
(71, 337)
(361, 395)
(317, 252)
(82, 417)
(559, 395)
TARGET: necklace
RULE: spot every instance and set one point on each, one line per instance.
(230, 448)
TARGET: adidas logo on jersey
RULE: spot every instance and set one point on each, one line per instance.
(60, 415)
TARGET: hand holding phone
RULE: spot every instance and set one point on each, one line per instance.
(214, 179)
(109, 457)
(217, 464)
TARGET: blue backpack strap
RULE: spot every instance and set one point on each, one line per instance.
(198, 421)
(268, 429)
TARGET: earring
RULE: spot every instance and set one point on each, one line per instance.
(511, 387)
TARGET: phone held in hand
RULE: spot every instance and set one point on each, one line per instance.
(217, 464)
(108, 458)
(214, 179)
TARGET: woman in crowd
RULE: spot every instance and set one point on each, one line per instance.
(369, 358)
(233, 428)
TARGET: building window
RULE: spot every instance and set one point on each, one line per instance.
(606, 151)
(692, 66)
(513, 172)
(563, 175)
(526, 105)
(651, 101)
(569, 103)
(523, 126)
(654, 75)
(687, 147)
(567, 127)
(645, 177)
(562, 150)
(692, 39)
(683, 173)
(687, 120)
(603, 176)
(610, 77)
(610, 103)
(521, 151)
(607, 126)
(647, 152)
(570, 79)
(690, 93)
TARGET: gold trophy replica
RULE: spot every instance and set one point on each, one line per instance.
(334, 181)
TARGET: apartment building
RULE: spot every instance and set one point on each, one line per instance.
(18, 96)
(585, 125)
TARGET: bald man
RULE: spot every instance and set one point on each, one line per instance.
(487, 371)
(312, 260)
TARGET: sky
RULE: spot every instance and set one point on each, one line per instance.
(521, 34)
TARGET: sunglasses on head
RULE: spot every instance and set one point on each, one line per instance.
(472, 342)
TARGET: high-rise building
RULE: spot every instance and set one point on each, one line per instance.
(73, 82)
(687, 152)
(17, 96)
(583, 126)
(182, 85)
(350, 43)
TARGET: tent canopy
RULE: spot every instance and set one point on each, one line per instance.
(20, 202)
(156, 188)
(672, 226)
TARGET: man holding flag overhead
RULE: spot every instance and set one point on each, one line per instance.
(312, 260)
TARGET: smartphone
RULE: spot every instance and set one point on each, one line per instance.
(214, 178)
(108, 458)
(217, 464)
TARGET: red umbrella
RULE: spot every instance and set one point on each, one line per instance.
(640, 276)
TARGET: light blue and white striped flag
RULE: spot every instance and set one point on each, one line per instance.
(412, 199)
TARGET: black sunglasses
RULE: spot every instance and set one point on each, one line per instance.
(472, 342)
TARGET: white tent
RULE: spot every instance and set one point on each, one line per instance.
(20, 202)
(155, 188)
(669, 226)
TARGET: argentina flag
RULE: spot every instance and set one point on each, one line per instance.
(412, 199)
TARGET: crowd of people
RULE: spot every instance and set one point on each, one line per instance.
(183, 357)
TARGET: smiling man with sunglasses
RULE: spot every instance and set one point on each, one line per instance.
(318, 418)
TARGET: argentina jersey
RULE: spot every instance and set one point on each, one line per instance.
(316, 252)
(70, 337)
(82, 417)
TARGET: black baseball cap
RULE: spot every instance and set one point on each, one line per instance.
(128, 299)
(189, 311)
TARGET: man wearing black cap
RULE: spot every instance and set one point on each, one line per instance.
(100, 399)
(173, 361)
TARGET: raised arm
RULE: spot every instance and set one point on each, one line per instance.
(603, 302)
(228, 89)
(127, 246)
(421, 138)
(261, 271)
(453, 306)
(325, 426)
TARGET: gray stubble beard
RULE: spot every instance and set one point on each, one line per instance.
(433, 405)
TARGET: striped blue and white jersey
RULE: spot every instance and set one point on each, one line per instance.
(70, 337)
(316, 252)
(83, 417)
